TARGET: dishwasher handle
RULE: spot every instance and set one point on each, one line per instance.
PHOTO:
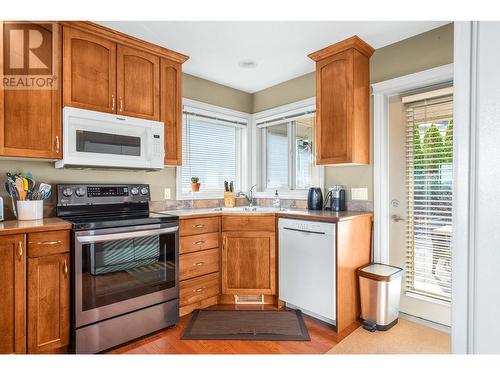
(304, 231)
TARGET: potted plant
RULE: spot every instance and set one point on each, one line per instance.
(195, 184)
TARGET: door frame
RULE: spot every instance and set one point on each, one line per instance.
(381, 92)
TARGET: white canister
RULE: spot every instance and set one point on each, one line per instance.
(29, 210)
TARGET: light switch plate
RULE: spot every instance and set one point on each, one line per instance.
(167, 193)
(359, 194)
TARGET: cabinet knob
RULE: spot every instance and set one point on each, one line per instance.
(199, 264)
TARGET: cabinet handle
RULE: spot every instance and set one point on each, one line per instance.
(65, 267)
(198, 226)
(199, 242)
(57, 144)
(48, 242)
(121, 104)
(112, 102)
(20, 250)
(199, 264)
(198, 290)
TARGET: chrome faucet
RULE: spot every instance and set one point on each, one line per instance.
(248, 197)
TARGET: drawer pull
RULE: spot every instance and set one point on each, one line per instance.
(199, 242)
(48, 242)
(199, 264)
(198, 290)
(198, 226)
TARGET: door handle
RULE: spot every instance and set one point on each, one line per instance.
(121, 104)
(397, 218)
(57, 144)
(65, 267)
(198, 226)
(20, 250)
(198, 290)
(113, 103)
(199, 242)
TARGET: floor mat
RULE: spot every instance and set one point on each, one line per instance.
(284, 325)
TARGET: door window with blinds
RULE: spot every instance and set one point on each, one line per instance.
(210, 151)
(287, 145)
(429, 167)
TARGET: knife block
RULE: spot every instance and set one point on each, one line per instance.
(229, 199)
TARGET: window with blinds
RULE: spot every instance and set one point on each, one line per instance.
(429, 161)
(209, 152)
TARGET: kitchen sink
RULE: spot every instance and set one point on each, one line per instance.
(249, 209)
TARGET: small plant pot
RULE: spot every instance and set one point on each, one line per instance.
(29, 210)
(195, 187)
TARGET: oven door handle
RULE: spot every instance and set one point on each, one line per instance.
(124, 235)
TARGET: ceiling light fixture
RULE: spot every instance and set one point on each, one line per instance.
(247, 64)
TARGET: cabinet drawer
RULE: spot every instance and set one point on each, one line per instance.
(199, 242)
(199, 263)
(254, 223)
(189, 227)
(48, 243)
(198, 289)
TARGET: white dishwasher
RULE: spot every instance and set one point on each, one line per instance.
(307, 267)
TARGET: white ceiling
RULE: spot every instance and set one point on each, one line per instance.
(280, 48)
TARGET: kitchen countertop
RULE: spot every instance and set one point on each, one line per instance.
(318, 215)
(28, 226)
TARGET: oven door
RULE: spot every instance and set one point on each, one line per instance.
(121, 270)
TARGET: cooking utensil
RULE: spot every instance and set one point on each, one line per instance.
(45, 190)
(10, 190)
(20, 188)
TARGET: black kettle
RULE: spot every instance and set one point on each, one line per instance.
(315, 199)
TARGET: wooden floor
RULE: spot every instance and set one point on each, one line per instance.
(323, 338)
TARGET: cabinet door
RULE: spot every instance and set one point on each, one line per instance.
(334, 101)
(12, 294)
(48, 303)
(248, 263)
(171, 110)
(138, 83)
(89, 71)
(30, 120)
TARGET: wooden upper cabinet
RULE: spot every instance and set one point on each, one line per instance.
(48, 303)
(171, 110)
(89, 71)
(30, 120)
(343, 102)
(12, 294)
(138, 83)
(248, 263)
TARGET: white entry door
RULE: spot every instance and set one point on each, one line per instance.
(420, 188)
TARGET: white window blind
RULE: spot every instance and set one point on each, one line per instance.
(209, 152)
(429, 192)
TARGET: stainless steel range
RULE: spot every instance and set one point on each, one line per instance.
(124, 264)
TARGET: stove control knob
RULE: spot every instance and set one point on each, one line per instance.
(144, 190)
(68, 192)
(134, 191)
(80, 192)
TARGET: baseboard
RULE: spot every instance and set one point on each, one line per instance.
(425, 322)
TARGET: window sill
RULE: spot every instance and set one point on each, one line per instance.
(427, 299)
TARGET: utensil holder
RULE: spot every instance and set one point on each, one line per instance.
(29, 210)
(229, 199)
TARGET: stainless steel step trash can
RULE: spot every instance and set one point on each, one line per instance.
(379, 289)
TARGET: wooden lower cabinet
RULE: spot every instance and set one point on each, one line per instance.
(48, 303)
(12, 294)
(249, 263)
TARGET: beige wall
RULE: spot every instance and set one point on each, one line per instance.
(421, 52)
(212, 93)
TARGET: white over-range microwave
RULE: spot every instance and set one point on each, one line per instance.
(96, 139)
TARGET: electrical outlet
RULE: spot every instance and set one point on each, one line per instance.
(167, 193)
(359, 194)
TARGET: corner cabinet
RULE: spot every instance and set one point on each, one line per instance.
(30, 120)
(343, 102)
